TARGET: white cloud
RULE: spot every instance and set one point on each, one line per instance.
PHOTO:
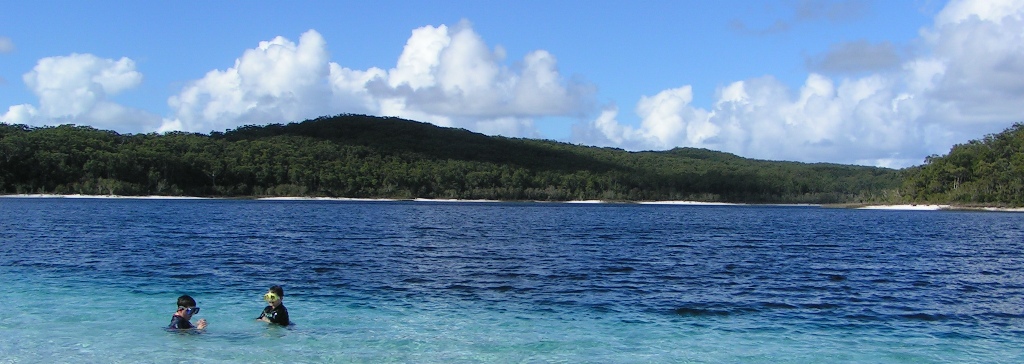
(6, 45)
(77, 89)
(969, 80)
(958, 11)
(857, 121)
(449, 76)
(446, 76)
(420, 58)
(349, 89)
(981, 46)
(278, 81)
(667, 117)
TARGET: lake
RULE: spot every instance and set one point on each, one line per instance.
(96, 280)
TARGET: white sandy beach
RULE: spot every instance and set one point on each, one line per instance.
(1003, 209)
(368, 199)
(451, 200)
(906, 207)
(689, 203)
(941, 207)
(321, 199)
(106, 196)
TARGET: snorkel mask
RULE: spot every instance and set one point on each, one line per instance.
(271, 297)
(189, 310)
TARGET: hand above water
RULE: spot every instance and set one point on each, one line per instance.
(201, 324)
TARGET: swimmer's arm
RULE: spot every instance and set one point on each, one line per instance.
(263, 316)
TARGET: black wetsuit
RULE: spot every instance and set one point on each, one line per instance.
(178, 322)
(277, 315)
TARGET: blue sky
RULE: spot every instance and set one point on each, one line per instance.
(847, 81)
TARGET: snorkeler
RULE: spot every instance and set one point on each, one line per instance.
(275, 312)
(186, 308)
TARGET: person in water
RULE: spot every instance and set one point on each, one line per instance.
(186, 308)
(275, 312)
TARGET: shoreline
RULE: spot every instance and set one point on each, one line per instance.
(914, 207)
(906, 207)
(899, 207)
(447, 200)
(152, 197)
(157, 197)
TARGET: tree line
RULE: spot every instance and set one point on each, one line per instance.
(982, 172)
(362, 156)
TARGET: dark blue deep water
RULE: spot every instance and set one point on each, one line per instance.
(95, 280)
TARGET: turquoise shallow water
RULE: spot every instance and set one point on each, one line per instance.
(95, 281)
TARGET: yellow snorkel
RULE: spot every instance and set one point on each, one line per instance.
(270, 297)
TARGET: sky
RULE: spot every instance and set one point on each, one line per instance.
(866, 82)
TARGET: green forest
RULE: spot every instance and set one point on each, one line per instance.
(357, 156)
(984, 172)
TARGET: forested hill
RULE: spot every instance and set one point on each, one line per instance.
(989, 171)
(372, 157)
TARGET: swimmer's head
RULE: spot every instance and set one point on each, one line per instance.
(186, 301)
(187, 306)
(273, 294)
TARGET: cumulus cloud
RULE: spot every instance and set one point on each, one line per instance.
(76, 89)
(978, 47)
(6, 45)
(449, 76)
(445, 75)
(668, 120)
(856, 121)
(967, 81)
(277, 81)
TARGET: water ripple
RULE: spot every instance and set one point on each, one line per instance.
(828, 267)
